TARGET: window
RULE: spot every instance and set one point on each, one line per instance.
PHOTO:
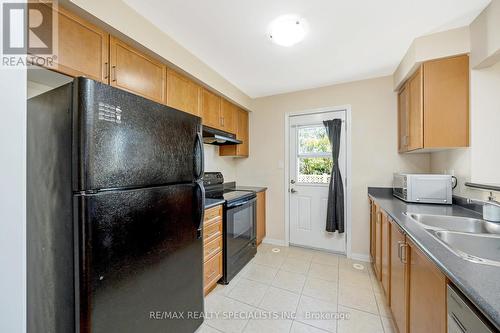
(314, 156)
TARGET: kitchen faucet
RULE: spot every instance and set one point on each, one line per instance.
(491, 208)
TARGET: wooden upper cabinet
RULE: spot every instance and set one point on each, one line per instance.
(398, 296)
(242, 149)
(386, 255)
(82, 48)
(136, 72)
(403, 119)
(427, 294)
(433, 106)
(182, 93)
(416, 112)
(228, 116)
(446, 102)
(211, 109)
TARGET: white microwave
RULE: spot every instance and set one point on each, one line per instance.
(423, 188)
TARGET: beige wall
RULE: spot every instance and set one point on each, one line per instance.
(433, 46)
(214, 162)
(485, 37)
(374, 147)
(479, 163)
(122, 18)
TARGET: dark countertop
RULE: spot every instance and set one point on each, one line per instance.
(250, 188)
(233, 186)
(480, 283)
(209, 203)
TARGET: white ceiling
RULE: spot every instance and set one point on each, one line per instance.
(347, 40)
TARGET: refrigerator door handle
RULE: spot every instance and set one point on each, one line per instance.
(201, 208)
(200, 164)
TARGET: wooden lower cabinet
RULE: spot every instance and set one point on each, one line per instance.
(261, 216)
(372, 229)
(386, 255)
(398, 296)
(377, 265)
(212, 248)
(427, 293)
(414, 287)
(212, 272)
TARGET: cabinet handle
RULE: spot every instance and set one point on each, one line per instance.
(106, 71)
(458, 322)
(113, 73)
(222, 121)
(399, 249)
(403, 252)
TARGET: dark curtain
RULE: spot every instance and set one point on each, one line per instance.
(335, 212)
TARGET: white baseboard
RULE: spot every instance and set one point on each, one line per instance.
(361, 257)
(279, 242)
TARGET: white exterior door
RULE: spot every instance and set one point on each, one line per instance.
(310, 165)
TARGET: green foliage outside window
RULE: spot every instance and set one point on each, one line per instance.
(313, 140)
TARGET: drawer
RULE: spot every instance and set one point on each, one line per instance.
(212, 247)
(212, 214)
(212, 231)
(212, 272)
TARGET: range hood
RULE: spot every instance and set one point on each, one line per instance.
(217, 137)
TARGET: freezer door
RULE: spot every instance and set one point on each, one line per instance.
(139, 264)
(121, 140)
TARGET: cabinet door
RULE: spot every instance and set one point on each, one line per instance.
(446, 102)
(228, 116)
(378, 243)
(427, 294)
(211, 109)
(261, 216)
(136, 72)
(403, 119)
(372, 230)
(398, 296)
(241, 150)
(82, 48)
(386, 255)
(242, 133)
(182, 93)
(416, 112)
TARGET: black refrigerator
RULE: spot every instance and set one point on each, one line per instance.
(115, 207)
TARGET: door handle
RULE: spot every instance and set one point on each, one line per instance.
(292, 181)
(292, 190)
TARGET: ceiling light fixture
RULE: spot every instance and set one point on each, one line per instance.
(287, 30)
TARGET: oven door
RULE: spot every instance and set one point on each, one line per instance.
(240, 246)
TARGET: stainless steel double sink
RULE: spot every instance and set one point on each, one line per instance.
(472, 239)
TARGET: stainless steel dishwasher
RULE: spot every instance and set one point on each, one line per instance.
(462, 317)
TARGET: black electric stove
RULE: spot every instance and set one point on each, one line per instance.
(238, 232)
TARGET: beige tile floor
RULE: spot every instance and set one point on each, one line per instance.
(299, 282)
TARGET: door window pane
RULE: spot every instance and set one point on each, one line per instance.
(315, 170)
(313, 139)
